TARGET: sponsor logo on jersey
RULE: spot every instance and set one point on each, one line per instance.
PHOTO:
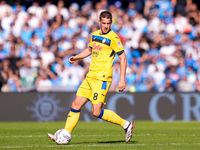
(97, 47)
(95, 53)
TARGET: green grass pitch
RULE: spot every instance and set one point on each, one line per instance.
(102, 135)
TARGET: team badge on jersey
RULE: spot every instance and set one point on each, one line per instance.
(119, 44)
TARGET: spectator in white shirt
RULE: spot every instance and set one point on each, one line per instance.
(47, 56)
(36, 10)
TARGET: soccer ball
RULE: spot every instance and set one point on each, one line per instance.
(62, 136)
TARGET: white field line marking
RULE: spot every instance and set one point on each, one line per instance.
(41, 136)
(97, 145)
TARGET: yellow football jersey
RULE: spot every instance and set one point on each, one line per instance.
(104, 47)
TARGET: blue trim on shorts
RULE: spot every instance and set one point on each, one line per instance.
(74, 110)
(104, 85)
(120, 52)
(101, 114)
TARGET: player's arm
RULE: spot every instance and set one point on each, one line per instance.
(86, 52)
(123, 64)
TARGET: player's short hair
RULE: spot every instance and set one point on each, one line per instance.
(105, 14)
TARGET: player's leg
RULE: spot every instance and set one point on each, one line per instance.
(74, 114)
(99, 91)
(81, 99)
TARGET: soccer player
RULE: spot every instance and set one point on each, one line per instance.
(104, 44)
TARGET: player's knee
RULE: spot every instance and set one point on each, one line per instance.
(74, 105)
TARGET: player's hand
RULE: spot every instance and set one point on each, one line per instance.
(121, 85)
(72, 59)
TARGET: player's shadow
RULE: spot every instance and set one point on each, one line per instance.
(121, 141)
(109, 142)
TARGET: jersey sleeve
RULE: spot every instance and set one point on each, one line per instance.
(116, 44)
(90, 45)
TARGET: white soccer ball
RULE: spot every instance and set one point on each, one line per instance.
(62, 136)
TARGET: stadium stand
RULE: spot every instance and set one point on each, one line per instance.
(161, 39)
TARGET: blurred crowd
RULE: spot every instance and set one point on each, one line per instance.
(162, 44)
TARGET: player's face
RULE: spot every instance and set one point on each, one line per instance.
(105, 25)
